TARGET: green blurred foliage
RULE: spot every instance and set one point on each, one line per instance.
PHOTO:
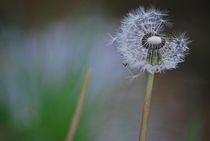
(51, 117)
(194, 129)
(36, 104)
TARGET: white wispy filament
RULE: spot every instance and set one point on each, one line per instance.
(143, 45)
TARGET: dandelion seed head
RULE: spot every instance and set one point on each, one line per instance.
(143, 46)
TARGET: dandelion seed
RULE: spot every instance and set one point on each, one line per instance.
(113, 39)
(144, 46)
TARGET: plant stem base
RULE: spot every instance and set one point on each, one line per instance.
(146, 108)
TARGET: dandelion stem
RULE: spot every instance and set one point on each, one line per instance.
(146, 108)
(79, 107)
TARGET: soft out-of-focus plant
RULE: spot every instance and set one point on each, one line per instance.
(41, 75)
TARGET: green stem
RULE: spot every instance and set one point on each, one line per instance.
(146, 108)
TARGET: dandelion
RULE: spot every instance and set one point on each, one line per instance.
(144, 46)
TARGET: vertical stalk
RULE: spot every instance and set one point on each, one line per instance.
(146, 108)
(79, 107)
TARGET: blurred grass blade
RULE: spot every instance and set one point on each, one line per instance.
(194, 129)
(79, 107)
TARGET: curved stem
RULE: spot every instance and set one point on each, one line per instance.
(146, 108)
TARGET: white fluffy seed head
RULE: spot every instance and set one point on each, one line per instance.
(154, 40)
(135, 55)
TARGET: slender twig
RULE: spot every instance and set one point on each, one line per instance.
(79, 107)
(146, 108)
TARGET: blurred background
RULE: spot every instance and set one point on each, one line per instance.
(47, 45)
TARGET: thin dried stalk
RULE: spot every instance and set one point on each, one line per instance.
(79, 107)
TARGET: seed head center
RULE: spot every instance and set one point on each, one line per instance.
(154, 40)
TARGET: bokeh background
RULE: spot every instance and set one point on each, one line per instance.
(47, 45)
